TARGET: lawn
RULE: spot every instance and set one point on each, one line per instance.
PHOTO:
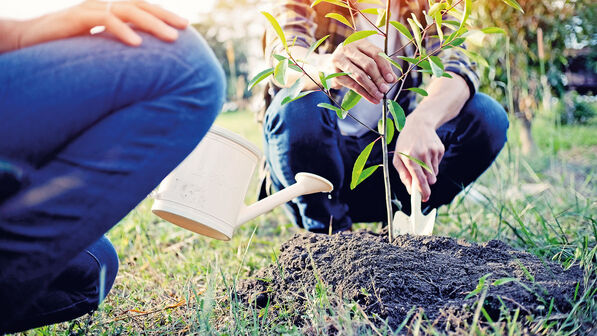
(172, 281)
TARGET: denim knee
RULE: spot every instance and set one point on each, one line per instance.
(107, 260)
(489, 122)
(92, 273)
(299, 120)
(208, 86)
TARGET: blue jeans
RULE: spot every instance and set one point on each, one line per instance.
(96, 125)
(301, 137)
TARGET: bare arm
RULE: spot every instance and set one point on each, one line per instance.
(78, 20)
(446, 98)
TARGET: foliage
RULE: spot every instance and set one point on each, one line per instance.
(564, 24)
(573, 108)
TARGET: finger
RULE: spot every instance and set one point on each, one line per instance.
(122, 31)
(383, 65)
(430, 175)
(416, 172)
(164, 15)
(145, 21)
(405, 176)
(435, 163)
(363, 79)
(369, 67)
(350, 83)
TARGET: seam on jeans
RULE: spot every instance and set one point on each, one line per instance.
(64, 308)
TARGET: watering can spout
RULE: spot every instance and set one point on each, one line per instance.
(306, 184)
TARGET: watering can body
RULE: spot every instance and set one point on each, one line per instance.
(206, 192)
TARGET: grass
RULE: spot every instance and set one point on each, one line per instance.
(174, 282)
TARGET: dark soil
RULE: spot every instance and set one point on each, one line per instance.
(432, 273)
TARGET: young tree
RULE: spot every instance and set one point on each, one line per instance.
(433, 27)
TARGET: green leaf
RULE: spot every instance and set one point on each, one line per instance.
(438, 25)
(417, 161)
(294, 67)
(358, 36)
(381, 18)
(337, 74)
(272, 20)
(503, 281)
(341, 114)
(409, 59)
(417, 33)
(493, 30)
(389, 130)
(333, 2)
(468, 4)
(359, 164)
(280, 57)
(457, 41)
(372, 11)
(350, 99)
(290, 99)
(315, 45)
(323, 80)
(436, 66)
(418, 91)
(479, 287)
(398, 114)
(259, 77)
(394, 63)
(340, 18)
(371, 2)
(280, 71)
(513, 4)
(366, 173)
(402, 29)
(436, 8)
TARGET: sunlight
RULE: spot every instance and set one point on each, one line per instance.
(25, 9)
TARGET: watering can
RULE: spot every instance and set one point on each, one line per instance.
(416, 223)
(206, 192)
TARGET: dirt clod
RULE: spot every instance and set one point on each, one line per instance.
(432, 273)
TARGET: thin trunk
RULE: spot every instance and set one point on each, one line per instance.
(384, 144)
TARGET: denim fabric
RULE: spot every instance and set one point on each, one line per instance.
(99, 125)
(300, 136)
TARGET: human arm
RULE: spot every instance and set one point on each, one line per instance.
(78, 20)
(418, 138)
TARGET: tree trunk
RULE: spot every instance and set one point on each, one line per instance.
(526, 137)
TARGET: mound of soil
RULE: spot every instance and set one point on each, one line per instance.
(432, 273)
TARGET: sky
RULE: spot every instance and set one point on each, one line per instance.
(24, 9)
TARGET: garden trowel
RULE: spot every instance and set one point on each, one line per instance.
(417, 223)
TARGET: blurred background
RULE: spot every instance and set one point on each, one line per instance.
(544, 69)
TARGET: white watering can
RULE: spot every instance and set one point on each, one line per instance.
(206, 192)
(416, 223)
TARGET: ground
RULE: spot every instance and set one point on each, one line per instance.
(172, 281)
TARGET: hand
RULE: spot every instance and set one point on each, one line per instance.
(419, 140)
(78, 20)
(370, 74)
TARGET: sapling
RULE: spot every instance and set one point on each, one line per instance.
(447, 34)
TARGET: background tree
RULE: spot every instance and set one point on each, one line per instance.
(535, 74)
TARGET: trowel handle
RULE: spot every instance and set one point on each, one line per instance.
(415, 198)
